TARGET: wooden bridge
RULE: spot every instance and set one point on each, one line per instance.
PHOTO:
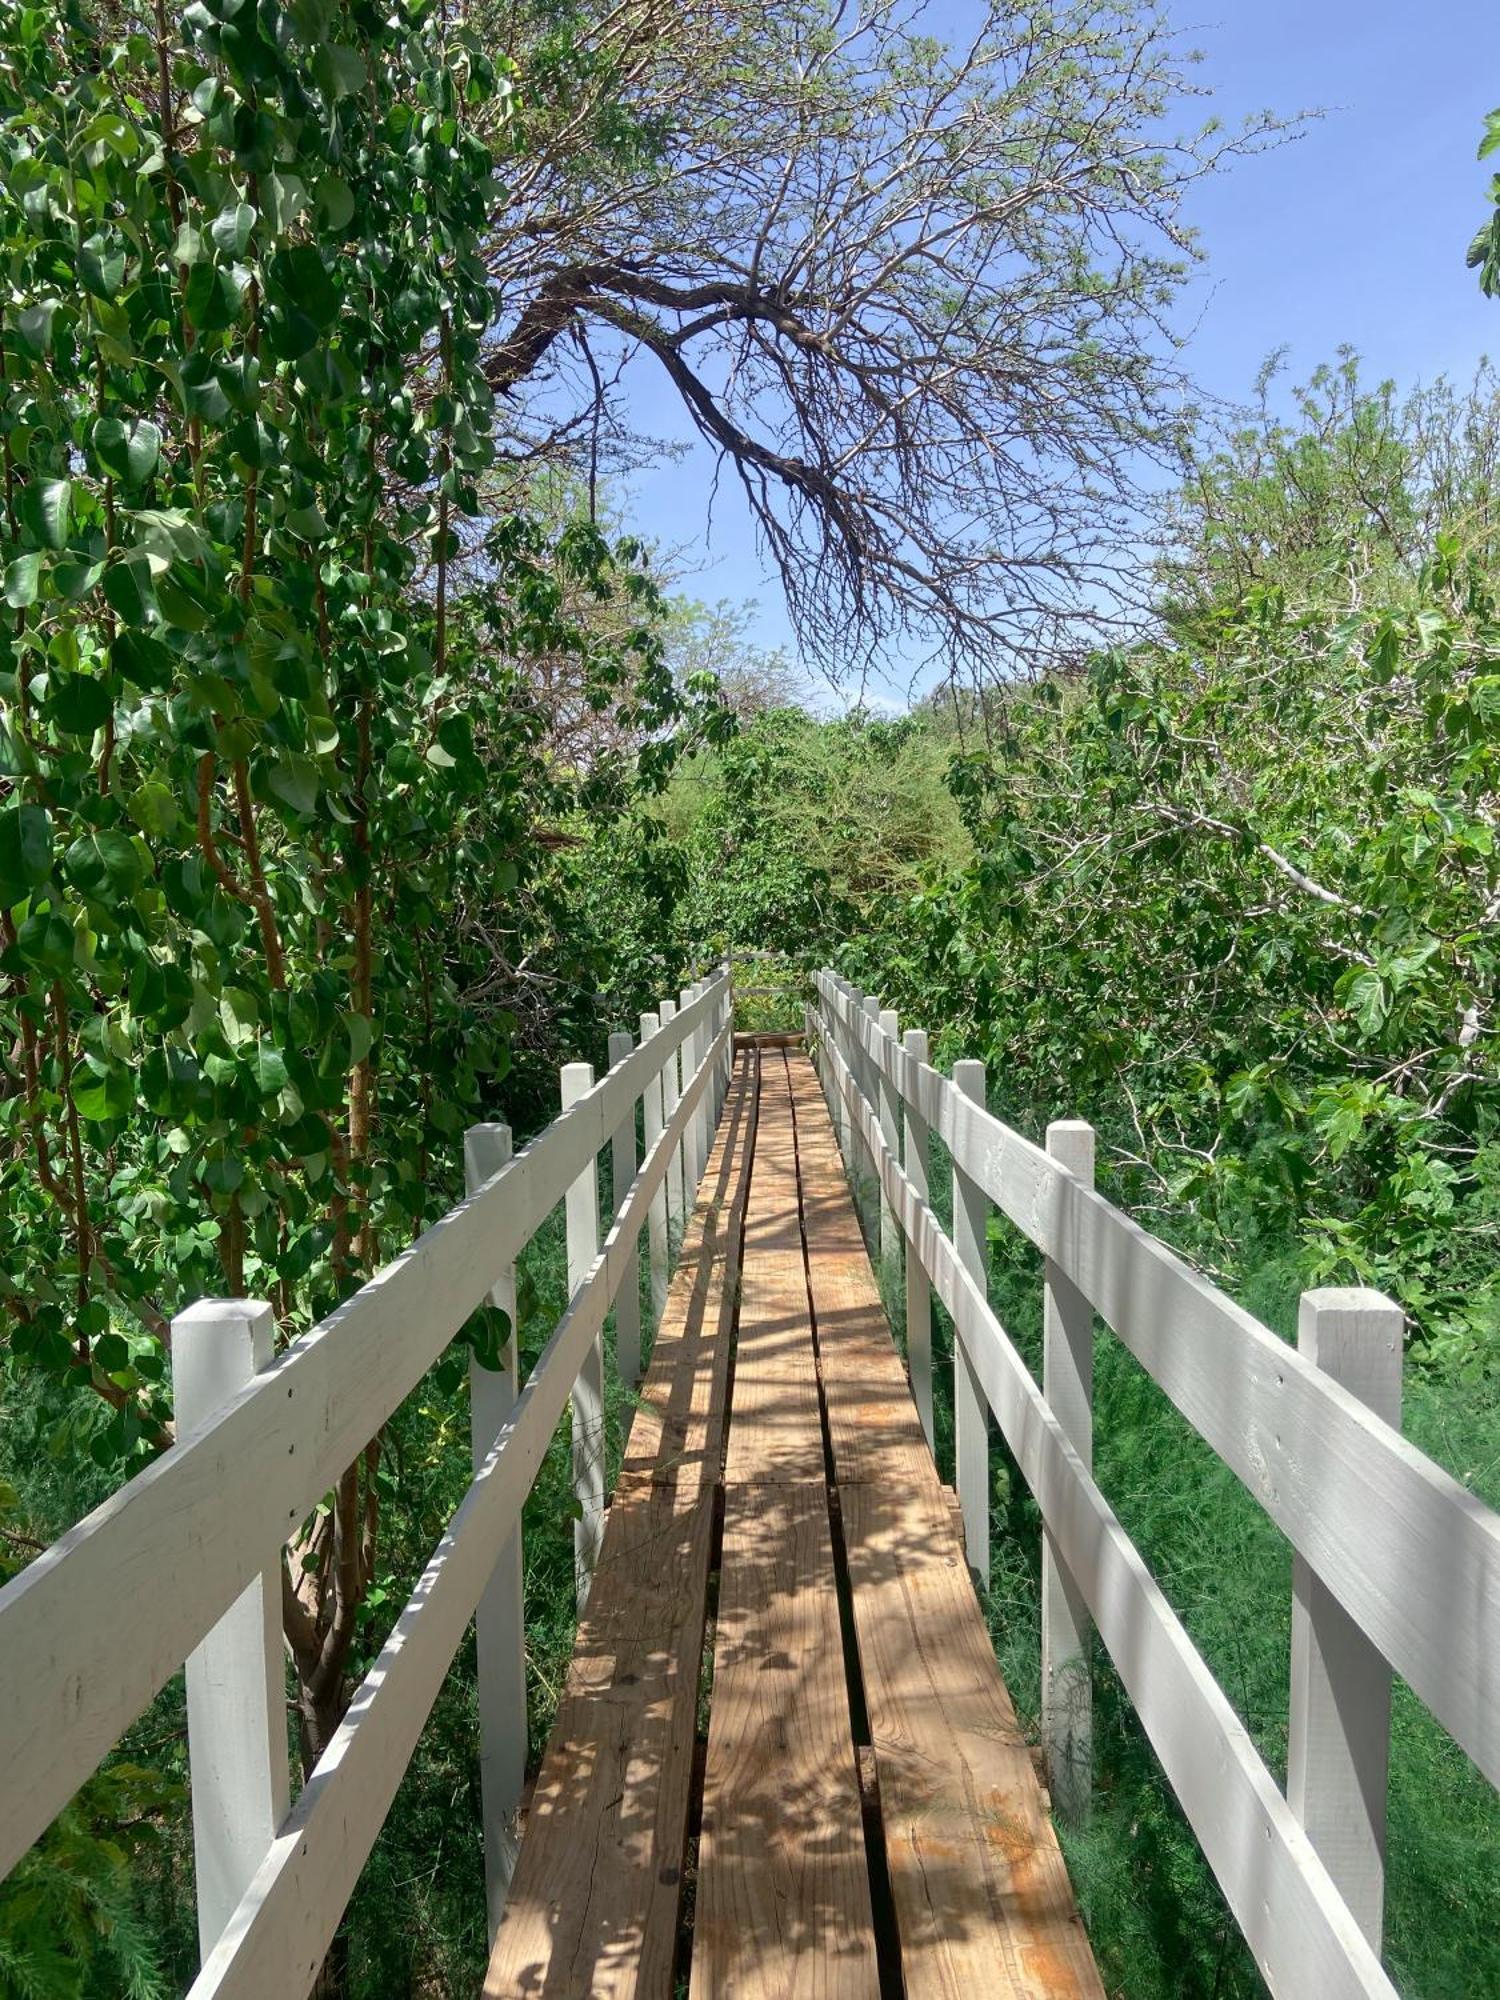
(784, 1762)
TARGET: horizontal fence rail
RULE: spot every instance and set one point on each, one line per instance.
(79, 1662)
(1409, 1558)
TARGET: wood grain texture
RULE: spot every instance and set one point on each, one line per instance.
(783, 1909)
(783, 1898)
(983, 1901)
(593, 1908)
(776, 1432)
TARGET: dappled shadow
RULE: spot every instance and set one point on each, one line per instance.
(833, 1600)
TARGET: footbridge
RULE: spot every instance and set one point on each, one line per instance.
(785, 1762)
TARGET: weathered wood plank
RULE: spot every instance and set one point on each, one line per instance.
(783, 1896)
(983, 1902)
(593, 1908)
(982, 1896)
(783, 1908)
(776, 1432)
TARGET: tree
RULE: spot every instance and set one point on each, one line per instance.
(915, 297)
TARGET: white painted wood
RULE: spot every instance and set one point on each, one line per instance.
(80, 1663)
(1068, 1386)
(1305, 1941)
(278, 1937)
(971, 1423)
(868, 1184)
(694, 1152)
(1412, 1555)
(500, 1616)
(671, 1092)
(622, 1173)
(890, 1124)
(918, 1290)
(1339, 1726)
(582, 1226)
(238, 1753)
(652, 1120)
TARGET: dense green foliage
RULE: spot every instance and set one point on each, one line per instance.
(276, 771)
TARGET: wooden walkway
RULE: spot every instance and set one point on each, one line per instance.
(782, 1573)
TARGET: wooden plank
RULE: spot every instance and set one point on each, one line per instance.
(1412, 1556)
(983, 1902)
(277, 1938)
(872, 1420)
(783, 1896)
(81, 1662)
(1305, 1939)
(593, 1908)
(777, 1430)
(783, 1906)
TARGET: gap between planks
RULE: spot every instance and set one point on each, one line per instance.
(981, 1892)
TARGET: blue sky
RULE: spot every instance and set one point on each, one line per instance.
(1354, 233)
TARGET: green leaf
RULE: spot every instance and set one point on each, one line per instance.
(294, 778)
(103, 1093)
(22, 578)
(128, 592)
(105, 856)
(47, 509)
(335, 202)
(223, 1175)
(101, 266)
(25, 851)
(79, 704)
(361, 1037)
(1491, 141)
(299, 278)
(129, 452)
(34, 324)
(268, 1066)
(212, 298)
(231, 229)
(153, 807)
(339, 70)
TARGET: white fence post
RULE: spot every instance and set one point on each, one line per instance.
(888, 1109)
(1339, 1728)
(828, 1028)
(670, 1093)
(622, 1173)
(500, 1616)
(918, 1291)
(581, 1209)
(971, 1422)
(1068, 1385)
(656, 1227)
(238, 1759)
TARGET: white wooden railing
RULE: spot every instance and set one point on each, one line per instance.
(1396, 1565)
(183, 1564)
